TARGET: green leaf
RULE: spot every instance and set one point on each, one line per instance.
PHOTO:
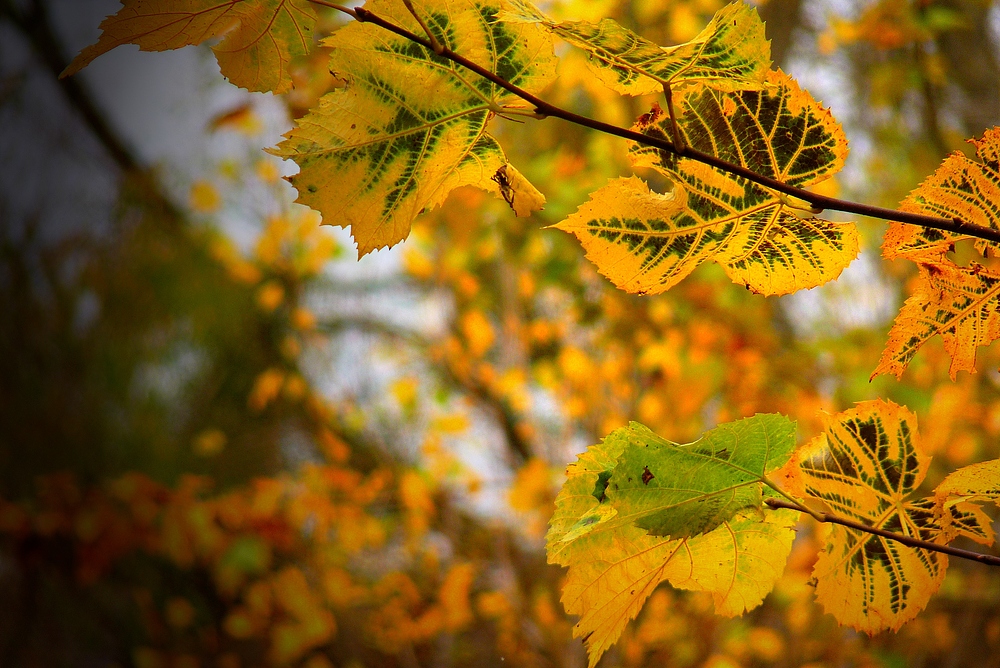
(646, 242)
(681, 491)
(410, 126)
(614, 565)
(730, 53)
(582, 506)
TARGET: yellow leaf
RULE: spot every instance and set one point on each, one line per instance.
(730, 53)
(270, 295)
(959, 303)
(517, 191)
(303, 319)
(241, 118)
(645, 242)
(410, 127)
(478, 332)
(738, 563)
(958, 498)
(532, 486)
(405, 392)
(209, 442)
(204, 198)
(259, 37)
(266, 170)
(455, 423)
(266, 388)
(865, 467)
(454, 596)
(960, 188)
(623, 217)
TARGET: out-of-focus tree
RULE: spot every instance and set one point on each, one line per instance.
(221, 456)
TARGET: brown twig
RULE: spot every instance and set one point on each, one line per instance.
(817, 202)
(435, 44)
(675, 129)
(909, 541)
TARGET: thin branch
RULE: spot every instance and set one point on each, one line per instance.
(817, 202)
(340, 8)
(676, 130)
(987, 559)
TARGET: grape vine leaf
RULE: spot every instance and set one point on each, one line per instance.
(959, 497)
(959, 303)
(615, 565)
(681, 491)
(865, 466)
(646, 242)
(730, 53)
(259, 37)
(960, 188)
(410, 126)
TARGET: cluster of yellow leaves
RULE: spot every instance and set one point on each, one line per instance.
(235, 537)
(409, 128)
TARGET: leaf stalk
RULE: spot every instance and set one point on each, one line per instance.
(675, 129)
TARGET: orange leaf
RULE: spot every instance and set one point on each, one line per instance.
(259, 37)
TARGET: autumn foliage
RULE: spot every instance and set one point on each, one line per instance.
(618, 434)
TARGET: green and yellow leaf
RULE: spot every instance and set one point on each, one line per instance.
(865, 467)
(637, 237)
(730, 54)
(960, 188)
(959, 303)
(582, 501)
(615, 565)
(686, 490)
(645, 242)
(259, 37)
(410, 126)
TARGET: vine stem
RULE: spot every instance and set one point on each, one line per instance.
(817, 202)
(909, 541)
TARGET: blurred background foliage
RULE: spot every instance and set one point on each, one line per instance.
(225, 443)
